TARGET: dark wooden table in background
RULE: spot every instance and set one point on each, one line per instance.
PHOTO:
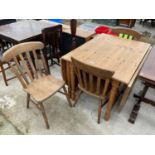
(25, 30)
(30, 30)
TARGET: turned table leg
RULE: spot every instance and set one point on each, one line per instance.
(72, 83)
(113, 94)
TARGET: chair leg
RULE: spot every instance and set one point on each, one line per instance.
(28, 100)
(41, 107)
(67, 96)
(102, 103)
(99, 111)
(77, 97)
(3, 74)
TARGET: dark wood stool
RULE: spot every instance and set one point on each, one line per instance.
(147, 75)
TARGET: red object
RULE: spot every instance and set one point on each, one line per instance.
(105, 29)
(112, 33)
(102, 29)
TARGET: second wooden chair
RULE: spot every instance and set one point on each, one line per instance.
(93, 81)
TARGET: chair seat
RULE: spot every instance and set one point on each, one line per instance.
(44, 87)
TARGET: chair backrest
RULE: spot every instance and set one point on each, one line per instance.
(29, 61)
(73, 26)
(127, 33)
(91, 79)
(52, 36)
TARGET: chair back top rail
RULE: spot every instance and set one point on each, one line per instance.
(91, 79)
(28, 58)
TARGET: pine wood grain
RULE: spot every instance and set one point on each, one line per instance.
(107, 52)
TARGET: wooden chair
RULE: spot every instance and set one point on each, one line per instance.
(51, 37)
(73, 26)
(93, 81)
(147, 75)
(127, 33)
(37, 84)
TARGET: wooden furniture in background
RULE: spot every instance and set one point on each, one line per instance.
(31, 30)
(126, 22)
(93, 81)
(52, 38)
(73, 25)
(28, 30)
(5, 22)
(87, 35)
(124, 57)
(147, 75)
(82, 36)
(38, 85)
(21, 31)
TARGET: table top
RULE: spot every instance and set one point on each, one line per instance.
(112, 53)
(27, 29)
(22, 30)
(147, 72)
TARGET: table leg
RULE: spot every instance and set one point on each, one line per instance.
(73, 85)
(124, 98)
(113, 94)
(69, 77)
(67, 74)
